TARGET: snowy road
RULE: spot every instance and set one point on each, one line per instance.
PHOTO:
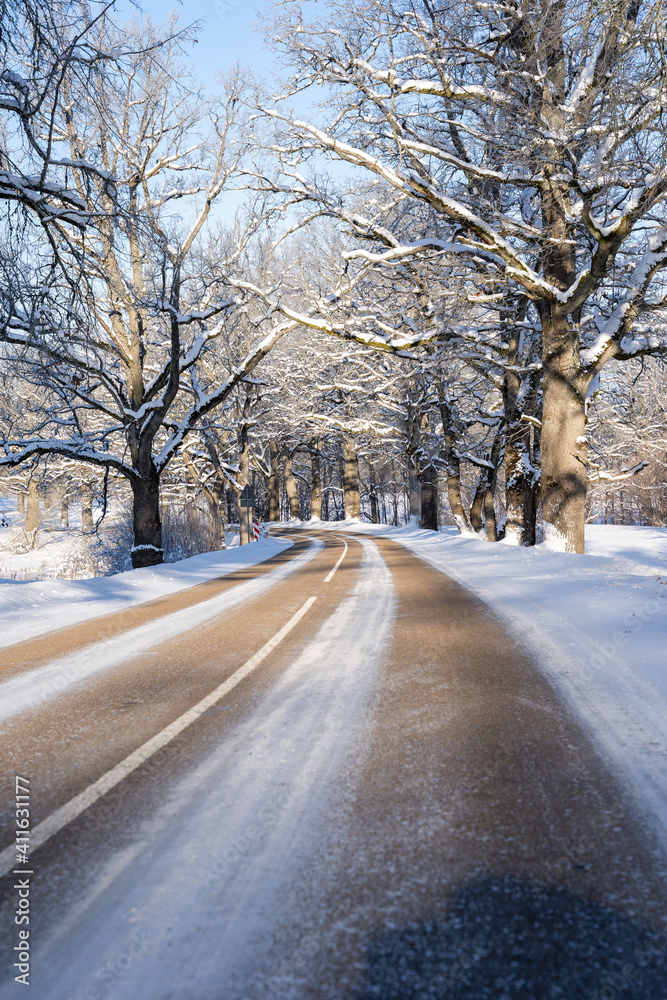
(346, 781)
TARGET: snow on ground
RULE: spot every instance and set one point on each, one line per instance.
(597, 623)
(28, 609)
(59, 552)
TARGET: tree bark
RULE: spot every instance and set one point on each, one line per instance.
(20, 503)
(315, 479)
(429, 498)
(477, 506)
(245, 513)
(563, 443)
(452, 463)
(414, 496)
(32, 511)
(147, 547)
(373, 497)
(215, 498)
(87, 508)
(274, 482)
(290, 486)
(350, 477)
(64, 513)
(521, 478)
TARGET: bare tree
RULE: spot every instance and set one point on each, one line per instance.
(532, 135)
(128, 374)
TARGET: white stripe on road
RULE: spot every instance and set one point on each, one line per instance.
(70, 810)
(327, 578)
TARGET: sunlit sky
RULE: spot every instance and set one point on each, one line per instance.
(227, 35)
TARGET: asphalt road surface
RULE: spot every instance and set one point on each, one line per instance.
(353, 784)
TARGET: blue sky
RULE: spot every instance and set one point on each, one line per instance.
(227, 35)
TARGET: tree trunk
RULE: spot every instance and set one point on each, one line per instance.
(452, 463)
(482, 511)
(274, 482)
(373, 497)
(315, 480)
(429, 498)
(477, 505)
(32, 511)
(414, 496)
(521, 478)
(64, 513)
(350, 477)
(20, 503)
(215, 498)
(245, 513)
(563, 442)
(147, 548)
(290, 486)
(87, 506)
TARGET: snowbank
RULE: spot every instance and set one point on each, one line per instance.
(31, 609)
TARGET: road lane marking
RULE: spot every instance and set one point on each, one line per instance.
(72, 809)
(327, 578)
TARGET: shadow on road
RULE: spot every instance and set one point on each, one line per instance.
(506, 939)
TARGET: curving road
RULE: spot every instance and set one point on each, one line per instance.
(334, 775)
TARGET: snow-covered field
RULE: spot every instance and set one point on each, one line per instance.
(597, 623)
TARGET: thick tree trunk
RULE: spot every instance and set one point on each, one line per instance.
(315, 480)
(147, 547)
(215, 498)
(477, 505)
(290, 486)
(482, 510)
(87, 506)
(350, 477)
(490, 516)
(20, 503)
(429, 498)
(563, 442)
(274, 482)
(64, 513)
(452, 463)
(32, 510)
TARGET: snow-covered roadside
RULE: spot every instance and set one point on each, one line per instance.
(596, 623)
(31, 609)
(32, 687)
